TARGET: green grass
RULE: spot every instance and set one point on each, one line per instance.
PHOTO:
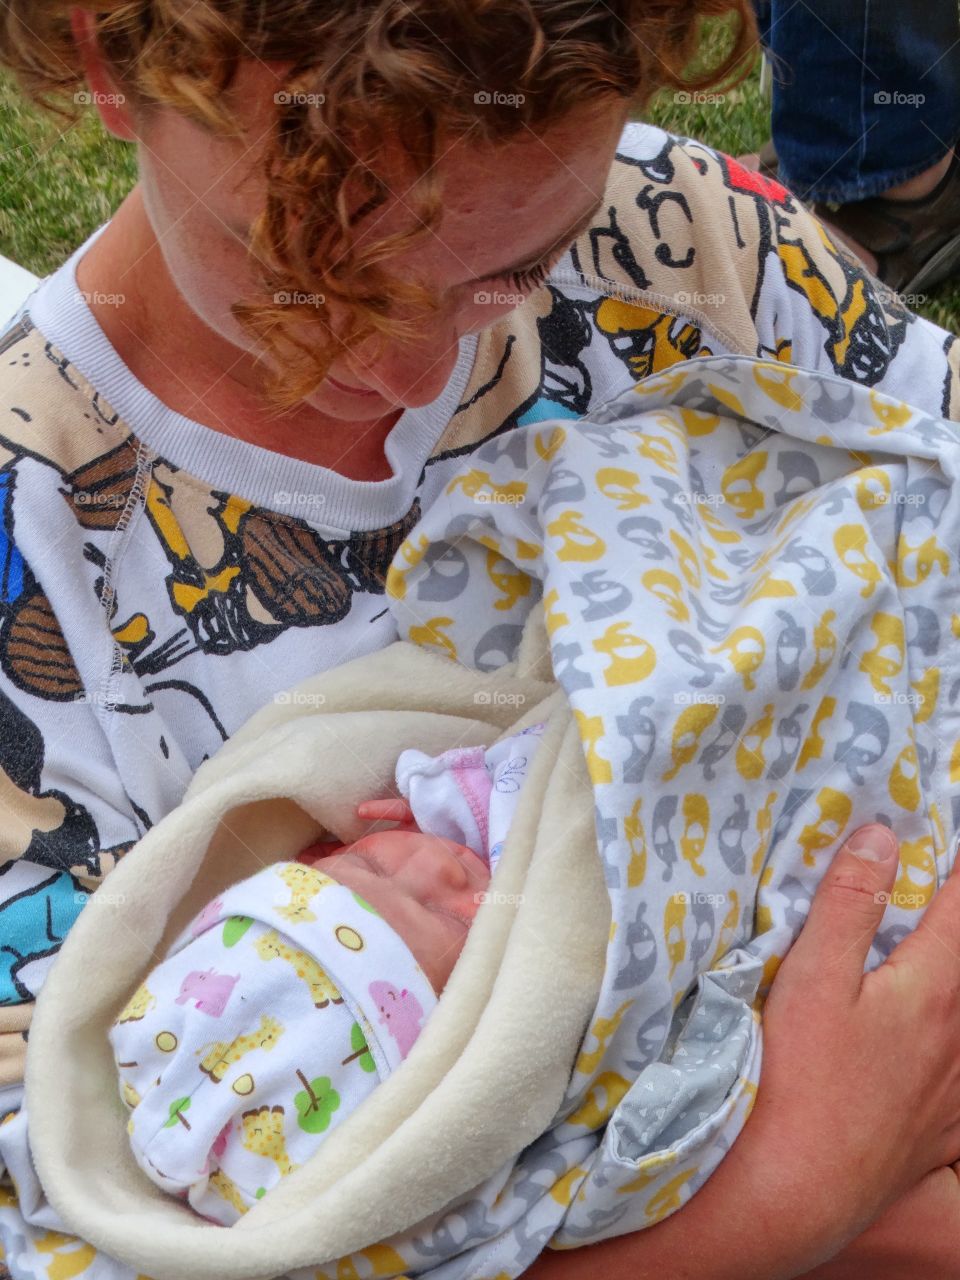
(60, 180)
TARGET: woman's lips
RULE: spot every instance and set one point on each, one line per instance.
(352, 391)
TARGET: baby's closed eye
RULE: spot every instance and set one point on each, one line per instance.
(365, 852)
(451, 913)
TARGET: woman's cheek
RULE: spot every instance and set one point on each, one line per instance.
(486, 307)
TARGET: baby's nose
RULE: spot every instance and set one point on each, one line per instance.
(444, 865)
(452, 874)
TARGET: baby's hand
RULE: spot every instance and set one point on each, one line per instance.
(387, 811)
(322, 849)
(370, 811)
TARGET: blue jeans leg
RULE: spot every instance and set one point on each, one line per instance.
(866, 93)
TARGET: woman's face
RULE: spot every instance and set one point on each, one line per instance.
(506, 209)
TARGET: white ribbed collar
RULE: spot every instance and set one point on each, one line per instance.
(258, 475)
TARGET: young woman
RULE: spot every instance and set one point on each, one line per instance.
(367, 236)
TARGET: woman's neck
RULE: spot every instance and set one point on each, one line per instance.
(194, 370)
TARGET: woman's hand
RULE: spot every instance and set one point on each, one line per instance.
(859, 1096)
(862, 1073)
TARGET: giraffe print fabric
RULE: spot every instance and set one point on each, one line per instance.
(241, 1051)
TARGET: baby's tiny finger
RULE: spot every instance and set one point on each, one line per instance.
(385, 811)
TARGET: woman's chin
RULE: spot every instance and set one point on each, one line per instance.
(349, 406)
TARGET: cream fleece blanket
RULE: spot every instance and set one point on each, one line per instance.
(514, 1011)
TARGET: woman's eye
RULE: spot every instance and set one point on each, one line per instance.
(532, 278)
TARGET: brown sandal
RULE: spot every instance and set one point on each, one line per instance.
(769, 160)
(916, 242)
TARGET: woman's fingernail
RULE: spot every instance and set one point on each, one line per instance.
(874, 844)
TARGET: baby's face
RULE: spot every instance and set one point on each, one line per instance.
(426, 888)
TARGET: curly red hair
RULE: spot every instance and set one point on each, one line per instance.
(407, 70)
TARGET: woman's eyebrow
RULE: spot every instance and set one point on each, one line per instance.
(531, 262)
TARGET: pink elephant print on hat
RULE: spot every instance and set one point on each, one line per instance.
(400, 1013)
(209, 989)
(212, 1161)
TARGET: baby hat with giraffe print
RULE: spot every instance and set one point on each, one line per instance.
(276, 1012)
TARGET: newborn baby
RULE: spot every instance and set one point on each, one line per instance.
(234, 1066)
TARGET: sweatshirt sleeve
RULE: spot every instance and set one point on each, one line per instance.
(821, 309)
(65, 816)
